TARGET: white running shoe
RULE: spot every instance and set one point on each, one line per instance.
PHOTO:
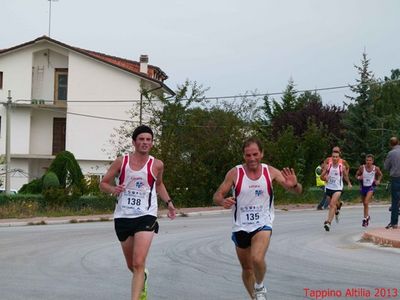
(327, 225)
(261, 294)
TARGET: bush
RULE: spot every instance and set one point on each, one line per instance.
(50, 180)
(33, 187)
(55, 197)
(98, 203)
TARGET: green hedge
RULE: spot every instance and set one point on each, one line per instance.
(5, 199)
(28, 205)
(102, 202)
(99, 203)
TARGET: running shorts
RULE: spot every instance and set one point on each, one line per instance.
(125, 227)
(242, 239)
(366, 189)
(329, 192)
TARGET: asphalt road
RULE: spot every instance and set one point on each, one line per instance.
(193, 258)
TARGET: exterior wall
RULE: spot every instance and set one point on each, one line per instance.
(43, 68)
(17, 74)
(20, 130)
(94, 81)
(42, 131)
(19, 133)
(37, 167)
(90, 167)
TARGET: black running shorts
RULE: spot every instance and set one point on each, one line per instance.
(242, 239)
(125, 227)
(330, 193)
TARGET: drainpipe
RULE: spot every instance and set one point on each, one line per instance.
(8, 130)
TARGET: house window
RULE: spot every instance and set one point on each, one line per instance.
(61, 84)
(1, 80)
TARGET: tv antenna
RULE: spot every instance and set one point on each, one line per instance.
(50, 14)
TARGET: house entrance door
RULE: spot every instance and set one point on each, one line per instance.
(59, 125)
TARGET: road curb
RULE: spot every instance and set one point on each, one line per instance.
(72, 220)
(383, 237)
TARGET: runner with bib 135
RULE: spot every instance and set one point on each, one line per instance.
(252, 205)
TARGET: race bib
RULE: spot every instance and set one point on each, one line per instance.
(367, 181)
(250, 215)
(332, 180)
(134, 202)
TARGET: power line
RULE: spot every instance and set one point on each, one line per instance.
(88, 116)
(205, 98)
(228, 97)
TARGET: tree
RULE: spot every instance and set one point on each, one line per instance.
(274, 109)
(313, 149)
(360, 120)
(299, 132)
(386, 99)
(198, 142)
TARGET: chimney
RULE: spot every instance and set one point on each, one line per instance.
(144, 59)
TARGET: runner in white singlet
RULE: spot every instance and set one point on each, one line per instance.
(140, 179)
(369, 176)
(139, 197)
(334, 173)
(253, 211)
(327, 162)
(254, 201)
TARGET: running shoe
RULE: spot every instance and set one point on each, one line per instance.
(337, 212)
(365, 221)
(391, 226)
(261, 294)
(337, 215)
(143, 295)
(327, 225)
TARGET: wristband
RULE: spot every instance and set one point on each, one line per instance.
(295, 186)
(168, 202)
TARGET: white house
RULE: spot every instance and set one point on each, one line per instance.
(67, 98)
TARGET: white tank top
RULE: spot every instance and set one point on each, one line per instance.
(254, 206)
(335, 177)
(139, 197)
(368, 177)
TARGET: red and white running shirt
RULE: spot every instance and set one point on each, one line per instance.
(254, 206)
(139, 197)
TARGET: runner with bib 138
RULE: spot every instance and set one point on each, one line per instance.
(140, 179)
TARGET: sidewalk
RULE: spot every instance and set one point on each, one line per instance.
(381, 236)
(162, 213)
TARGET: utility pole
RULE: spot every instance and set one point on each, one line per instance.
(141, 109)
(8, 130)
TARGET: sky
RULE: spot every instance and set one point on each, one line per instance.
(232, 47)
